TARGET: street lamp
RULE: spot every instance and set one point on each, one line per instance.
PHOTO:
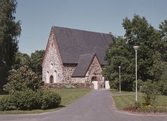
(119, 78)
(136, 48)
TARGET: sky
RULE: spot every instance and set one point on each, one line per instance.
(38, 16)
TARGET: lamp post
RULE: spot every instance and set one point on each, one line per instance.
(119, 79)
(136, 48)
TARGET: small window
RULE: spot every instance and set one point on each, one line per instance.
(51, 65)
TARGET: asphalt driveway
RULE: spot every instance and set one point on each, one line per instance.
(95, 106)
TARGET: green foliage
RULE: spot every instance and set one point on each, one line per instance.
(9, 31)
(151, 89)
(36, 62)
(140, 84)
(163, 31)
(151, 53)
(50, 99)
(21, 79)
(29, 99)
(21, 59)
(24, 100)
(5, 103)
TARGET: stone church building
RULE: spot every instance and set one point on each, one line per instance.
(75, 56)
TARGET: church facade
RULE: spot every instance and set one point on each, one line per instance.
(75, 56)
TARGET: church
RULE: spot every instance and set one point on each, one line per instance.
(75, 56)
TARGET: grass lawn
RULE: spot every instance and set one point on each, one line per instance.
(71, 95)
(122, 101)
(68, 96)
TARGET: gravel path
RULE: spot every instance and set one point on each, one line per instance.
(95, 106)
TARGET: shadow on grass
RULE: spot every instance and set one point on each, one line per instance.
(33, 111)
(61, 106)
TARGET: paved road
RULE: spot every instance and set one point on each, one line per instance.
(95, 106)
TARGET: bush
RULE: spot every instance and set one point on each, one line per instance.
(28, 100)
(152, 91)
(5, 103)
(162, 87)
(24, 100)
(50, 100)
(22, 78)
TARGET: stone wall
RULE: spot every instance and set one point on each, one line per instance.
(52, 64)
(67, 72)
(95, 70)
(63, 85)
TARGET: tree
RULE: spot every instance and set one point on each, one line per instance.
(9, 31)
(150, 65)
(21, 59)
(36, 61)
(118, 54)
(163, 31)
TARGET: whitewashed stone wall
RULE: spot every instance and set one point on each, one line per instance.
(67, 72)
(52, 65)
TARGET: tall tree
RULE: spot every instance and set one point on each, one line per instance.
(36, 62)
(150, 65)
(21, 59)
(9, 31)
(163, 31)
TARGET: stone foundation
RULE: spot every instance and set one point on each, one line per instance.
(63, 85)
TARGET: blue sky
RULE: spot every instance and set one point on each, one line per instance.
(38, 16)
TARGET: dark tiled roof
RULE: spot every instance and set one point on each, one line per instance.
(72, 43)
(83, 64)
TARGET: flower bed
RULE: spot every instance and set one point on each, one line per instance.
(147, 109)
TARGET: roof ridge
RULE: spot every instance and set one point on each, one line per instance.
(81, 30)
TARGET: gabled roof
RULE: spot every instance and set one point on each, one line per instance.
(72, 43)
(84, 62)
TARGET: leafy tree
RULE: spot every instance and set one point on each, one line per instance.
(36, 61)
(118, 54)
(9, 31)
(163, 31)
(150, 65)
(21, 59)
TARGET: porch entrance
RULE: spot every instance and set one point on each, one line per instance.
(95, 82)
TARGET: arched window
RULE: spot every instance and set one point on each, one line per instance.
(51, 65)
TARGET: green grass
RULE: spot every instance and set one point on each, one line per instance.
(71, 95)
(68, 96)
(122, 101)
(113, 91)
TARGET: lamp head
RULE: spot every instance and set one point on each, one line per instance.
(136, 47)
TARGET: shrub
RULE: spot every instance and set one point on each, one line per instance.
(28, 100)
(5, 103)
(22, 78)
(162, 87)
(24, 100)
(152, 91)
(50, 100)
